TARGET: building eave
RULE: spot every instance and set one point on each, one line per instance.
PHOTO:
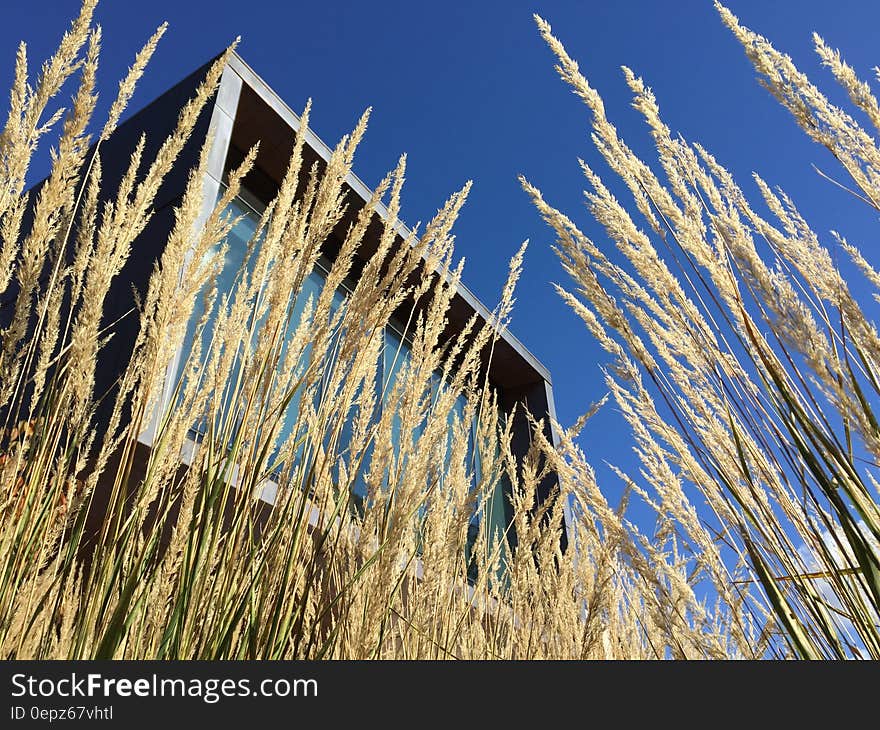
(292, 119)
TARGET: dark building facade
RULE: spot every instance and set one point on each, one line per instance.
(243, 112)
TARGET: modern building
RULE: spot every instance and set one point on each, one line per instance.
(244, 111)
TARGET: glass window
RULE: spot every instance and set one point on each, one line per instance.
(237, 242)
(237, 246)
(396, 357)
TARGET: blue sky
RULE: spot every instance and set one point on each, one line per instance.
(468, 90)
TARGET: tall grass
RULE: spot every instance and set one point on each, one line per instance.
(108, 553)
(743, 359)
(111, 550)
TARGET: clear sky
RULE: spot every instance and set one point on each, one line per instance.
(468, 90)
